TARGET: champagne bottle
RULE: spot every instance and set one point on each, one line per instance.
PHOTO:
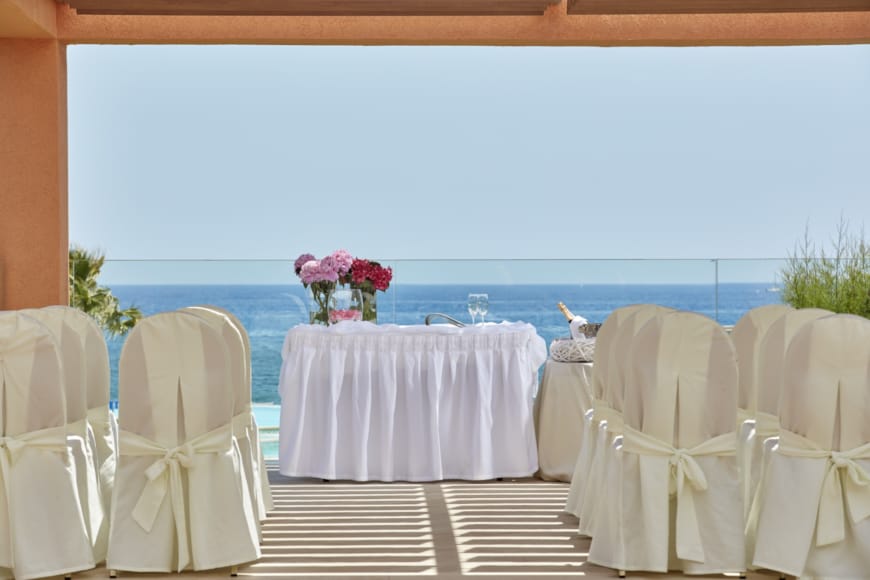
(574, 322)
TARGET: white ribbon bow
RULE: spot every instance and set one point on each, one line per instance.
(683, 468)
(52, 439)
(831, 523)
(164, 477)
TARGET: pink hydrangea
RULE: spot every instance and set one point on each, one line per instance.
(318, 271)
(300, 261)
(343, 261)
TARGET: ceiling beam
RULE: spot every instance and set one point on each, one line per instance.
(587, 7)
(314, 7)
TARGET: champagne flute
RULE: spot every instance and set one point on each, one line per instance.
(482, 306)
(473, 306)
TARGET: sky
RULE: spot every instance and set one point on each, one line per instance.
(421, 153)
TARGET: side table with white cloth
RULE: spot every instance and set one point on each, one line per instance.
(564, 397)
(411, 403)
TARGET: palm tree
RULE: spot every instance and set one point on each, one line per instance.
(93, 299)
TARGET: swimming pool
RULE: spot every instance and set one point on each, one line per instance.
(268, 417)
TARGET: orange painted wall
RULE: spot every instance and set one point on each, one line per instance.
(33, 173)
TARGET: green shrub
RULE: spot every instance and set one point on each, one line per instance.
(838, 281)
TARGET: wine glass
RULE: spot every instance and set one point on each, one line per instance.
(345, 304)
(482, 306)
(473, 306)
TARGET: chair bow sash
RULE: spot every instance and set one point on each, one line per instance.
(164, 477)
(831, 523)
(52, 439)
(242, 423)
(98, 417)
(684, 469)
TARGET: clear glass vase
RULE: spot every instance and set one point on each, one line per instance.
(318, 302)
(370, 303)
(345, 304)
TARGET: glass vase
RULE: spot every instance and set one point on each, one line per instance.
(370, 304)
(318, 302)
(345, 304)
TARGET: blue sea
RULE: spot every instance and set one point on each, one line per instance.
(268, 312)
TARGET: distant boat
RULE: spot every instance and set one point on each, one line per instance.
(774, 289)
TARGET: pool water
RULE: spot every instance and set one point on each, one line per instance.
(268, 417)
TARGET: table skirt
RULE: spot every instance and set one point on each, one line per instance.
(365, 402)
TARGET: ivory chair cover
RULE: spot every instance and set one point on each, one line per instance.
(180, 499)
(42, 528)
(64, 323)
(814, 519)
(101, 420)
(680, 416)
(585, 467)
(265, 496)
(606, 501)
(747, 336)
(241, 401)
(771, 372)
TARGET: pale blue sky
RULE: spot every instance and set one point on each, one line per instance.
(264, 152)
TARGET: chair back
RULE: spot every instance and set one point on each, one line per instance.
(61, 323)
(174, 379)
(771, 355)
(621, 349)
(31, 376)
(826, 387)
(96, 367)
(681, 385)
(238, 365)
(747, 336)
(242, 330)
(604, 354)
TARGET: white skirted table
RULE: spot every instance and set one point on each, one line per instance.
(564, 397)
(409, 403)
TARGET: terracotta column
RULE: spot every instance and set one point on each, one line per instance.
(33, 173)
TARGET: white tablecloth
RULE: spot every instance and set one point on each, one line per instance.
(565, 395)
(410, 403)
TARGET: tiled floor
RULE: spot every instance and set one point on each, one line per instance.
(451, 529)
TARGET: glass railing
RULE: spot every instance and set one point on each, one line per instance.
(269, 299)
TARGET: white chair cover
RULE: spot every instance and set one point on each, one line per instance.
(600, 376)
(100, 418)
(604, 524)
(747, 336)
(680, 440)
(265, 495)
(814, 517)
(65, 324)
(42, 528)
(175, 435)
(242, 414)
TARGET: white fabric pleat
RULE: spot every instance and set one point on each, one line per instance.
(387, 403)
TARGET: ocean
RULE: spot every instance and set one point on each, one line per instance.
(268, 312)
